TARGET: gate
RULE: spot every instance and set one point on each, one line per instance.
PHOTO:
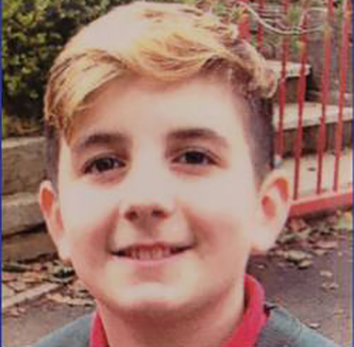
(313, 113)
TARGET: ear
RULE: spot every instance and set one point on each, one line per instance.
(50, 207)
(273, 209)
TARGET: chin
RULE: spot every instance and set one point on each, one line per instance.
(152, 299)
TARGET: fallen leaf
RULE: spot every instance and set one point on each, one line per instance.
(9, 276)
(296, 256)
(297, 224)
(304, 234)
(33, 277)
(13, 312)
(79, 290)
(21, 309)
(61, 271)
(49, 265)
(326, 229)
(279, 252)
(323, 244)
(326, 273)
(319, 252)
(18, 286)
(57, 297)
(314, 325)
(330, 286)
(304, 264)
(15, 267)
(37, 267)
(287, 238)
(78, 286)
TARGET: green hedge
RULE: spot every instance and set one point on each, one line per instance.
(33, 34)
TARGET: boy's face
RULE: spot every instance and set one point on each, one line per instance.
(157, 203)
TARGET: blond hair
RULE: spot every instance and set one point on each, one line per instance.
(163, 42)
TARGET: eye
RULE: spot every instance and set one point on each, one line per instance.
(103, 164)
(195, 157)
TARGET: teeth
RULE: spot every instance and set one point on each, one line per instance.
(166, 252)
(156, 253)
(149, 254)
(144, 255)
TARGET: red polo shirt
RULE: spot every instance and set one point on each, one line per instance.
(245, 334)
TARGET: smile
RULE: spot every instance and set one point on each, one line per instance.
(150, 252)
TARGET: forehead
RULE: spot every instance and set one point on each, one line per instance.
(155, 108)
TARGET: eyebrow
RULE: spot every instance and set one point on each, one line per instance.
(100, 139)
(198, 134)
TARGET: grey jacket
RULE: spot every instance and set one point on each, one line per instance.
(281, 330)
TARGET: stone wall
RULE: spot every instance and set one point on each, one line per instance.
(23, 230)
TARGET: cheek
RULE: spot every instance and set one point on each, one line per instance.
(223, 240)
(221, 213)
(228, 197)
(88, 214)
(223, 207)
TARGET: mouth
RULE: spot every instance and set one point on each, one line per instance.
(151, 252)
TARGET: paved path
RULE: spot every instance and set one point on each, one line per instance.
(302, 292)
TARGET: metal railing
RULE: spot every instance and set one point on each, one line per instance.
(272, 15)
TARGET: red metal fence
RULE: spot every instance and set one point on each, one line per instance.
(331, 16)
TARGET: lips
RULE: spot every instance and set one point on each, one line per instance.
(150, 252)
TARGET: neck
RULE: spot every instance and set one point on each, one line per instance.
(207, 326)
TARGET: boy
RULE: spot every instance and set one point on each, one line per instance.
(161, 182)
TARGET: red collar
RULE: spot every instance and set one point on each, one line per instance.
(254, 317)
(245, 335)
(98, 336)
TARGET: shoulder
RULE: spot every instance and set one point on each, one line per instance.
(284, 330)
(75, 334)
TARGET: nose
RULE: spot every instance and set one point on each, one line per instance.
(146, 213)
(148, 198)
